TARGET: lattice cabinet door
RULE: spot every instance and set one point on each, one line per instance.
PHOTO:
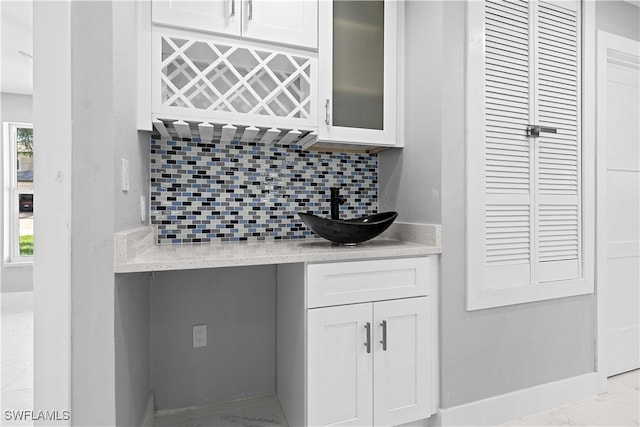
(206, 78)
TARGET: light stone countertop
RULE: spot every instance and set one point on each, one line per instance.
(136, 251)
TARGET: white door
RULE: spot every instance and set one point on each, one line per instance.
(401, 361)
(340, 364)
(281, 21)
(219, 16)
(619, 204)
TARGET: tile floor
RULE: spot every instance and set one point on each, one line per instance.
(16, 369)
(620, 406)
(256, 412)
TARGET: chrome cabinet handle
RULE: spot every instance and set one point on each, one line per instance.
(233, 8)
(327, 117)
(384, 335)
(533, 131)
(368, 343)
(250, 9)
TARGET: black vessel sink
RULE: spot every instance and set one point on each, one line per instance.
(349, 231)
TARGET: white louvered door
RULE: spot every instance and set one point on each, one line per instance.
(557, 90)
(527, 182)
(508, 150)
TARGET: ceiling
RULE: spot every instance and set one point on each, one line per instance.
(16, 26)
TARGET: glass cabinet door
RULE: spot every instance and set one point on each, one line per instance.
(358, 59)
(358, 64)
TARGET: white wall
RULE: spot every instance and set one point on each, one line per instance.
(93, 213)
(52, 114)
(14, 108)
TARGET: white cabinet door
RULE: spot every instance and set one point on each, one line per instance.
(220, 16)
(357, 56)
(339, 378)
(401, 361)
(281, 21)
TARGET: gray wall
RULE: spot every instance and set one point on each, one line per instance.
(131, 290)
(618, 17)
(488, 352)
(110, 354)
(483, 353)
(238, 305)
(14, 108)
(491, 352)
(410, 177)
(131, 347)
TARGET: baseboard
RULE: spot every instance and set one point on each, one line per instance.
(147, 417)
(510, 406)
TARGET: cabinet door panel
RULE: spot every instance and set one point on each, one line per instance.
(358, 55)
(339, 381)
(281, 21)
(402, 371)
(219, 16)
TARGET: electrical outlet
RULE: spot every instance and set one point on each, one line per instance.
(199, 336)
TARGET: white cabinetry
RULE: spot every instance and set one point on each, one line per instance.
(358, 58)
(197, 76)
(367, 363)
(235, 69)
(357, 343)
(218, 16)
(339, 366)
(282, 21)
(288, 22)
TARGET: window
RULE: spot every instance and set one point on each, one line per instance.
(19, 200)
(525, 235)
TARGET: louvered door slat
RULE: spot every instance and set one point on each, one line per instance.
(497, 51)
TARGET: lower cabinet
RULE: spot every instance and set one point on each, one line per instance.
(368, 363)
(357, 342)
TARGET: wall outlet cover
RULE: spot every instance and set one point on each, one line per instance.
(199, 336)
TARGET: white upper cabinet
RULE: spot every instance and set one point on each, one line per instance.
(220, 16)
(281, 21)
(207, 78)
(524, 154)
(288, 22)
(358, 60)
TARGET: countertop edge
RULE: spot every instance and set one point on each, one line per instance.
(136, 251)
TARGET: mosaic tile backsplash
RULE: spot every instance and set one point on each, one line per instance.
(205, 191)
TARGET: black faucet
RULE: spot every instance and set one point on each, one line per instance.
(336, 201)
